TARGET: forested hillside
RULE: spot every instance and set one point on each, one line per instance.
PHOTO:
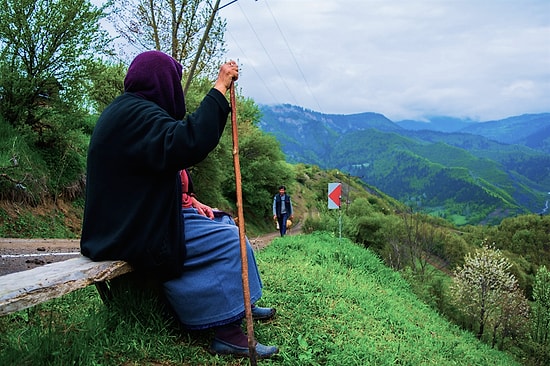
(464, 177)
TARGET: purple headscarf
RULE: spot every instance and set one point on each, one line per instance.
(155, 76)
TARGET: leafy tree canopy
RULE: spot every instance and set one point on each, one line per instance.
(44, 46)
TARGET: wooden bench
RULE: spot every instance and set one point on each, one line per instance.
(21, 290)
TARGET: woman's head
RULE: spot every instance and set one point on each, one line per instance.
(155, 76)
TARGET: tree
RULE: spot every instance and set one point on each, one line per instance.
(262, 163)
(510, 319)
(175, 27)
(419, 241)
(43, 48)
(541, 307)
(106, 83)
(483, 288)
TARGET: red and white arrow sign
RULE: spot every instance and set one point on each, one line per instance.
(334, 195)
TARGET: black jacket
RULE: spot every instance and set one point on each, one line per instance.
(278, 202)
(133, 189)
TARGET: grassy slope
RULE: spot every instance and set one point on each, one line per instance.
(337, 305)
(345, 307)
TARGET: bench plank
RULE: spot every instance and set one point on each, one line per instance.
(21, 290)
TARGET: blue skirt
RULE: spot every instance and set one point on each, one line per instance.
(210, 291)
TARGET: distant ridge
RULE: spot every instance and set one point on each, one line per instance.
(483, 171)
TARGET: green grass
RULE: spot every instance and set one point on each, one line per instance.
(337, 305)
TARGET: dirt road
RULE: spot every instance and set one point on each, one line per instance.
(22, 254)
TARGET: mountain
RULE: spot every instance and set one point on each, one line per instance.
(467, 175)
(436, 123)
(531, 130)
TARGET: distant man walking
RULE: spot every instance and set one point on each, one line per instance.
(282, 209)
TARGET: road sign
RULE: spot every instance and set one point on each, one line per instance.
(334, 195)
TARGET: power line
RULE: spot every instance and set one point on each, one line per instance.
(268, 55)
(242, 51)
(293, 57)
(254, 69)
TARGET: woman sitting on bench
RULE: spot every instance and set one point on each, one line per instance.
(133, 209)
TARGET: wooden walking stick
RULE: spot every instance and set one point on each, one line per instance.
(244, 258)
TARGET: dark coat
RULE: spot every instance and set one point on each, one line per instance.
(133, 189)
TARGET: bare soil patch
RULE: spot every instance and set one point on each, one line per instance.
(22, 254)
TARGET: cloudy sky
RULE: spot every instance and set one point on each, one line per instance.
(406, 59)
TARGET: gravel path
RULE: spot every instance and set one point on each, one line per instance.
(22, 254)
